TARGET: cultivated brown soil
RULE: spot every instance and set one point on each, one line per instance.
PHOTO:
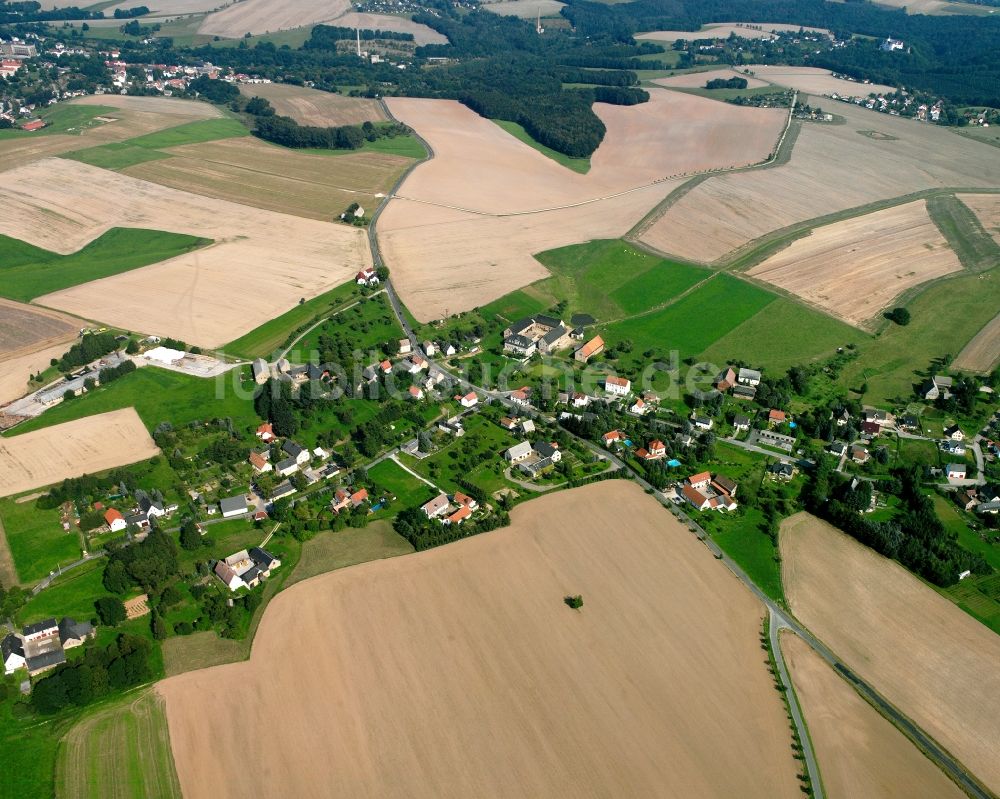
(25, 329)
(986, 207)
(15, 372)
(314, 107)
(507, 201)
(723, 30)
(697, 80)
(814, 80)
(832, 169)
(856, 268)
(526, 9)
(931, 660)
(252, 172)
(262, 262)
(983, 352)
(84, 446)
(460, 672)
(860, 753)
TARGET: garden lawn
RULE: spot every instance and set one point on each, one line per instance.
(158, 395)
(371, 325)
(742, 539)
(391, 478)
(27, 271)
(72, 594)
(36, 539)
(347, 547)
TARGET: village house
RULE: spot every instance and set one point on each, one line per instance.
(580, 400)
(543, 455)
(447, 349)
(656, 450)
(459, 515)
(521, 396)
(954, 432)
(842, 418)
(507, 423)
(589, 350)
(233, 506)
(385, 366)
(860, 455)
(741, 422)
(367, 277)
(261, 371)
(955, 448)
(880, 417)
(543, 333)
(619, 386)
(703, 422)
(41, 646)
(435, 507)
(280, 491)
(837, 449)
(778, 440)
(260, 461)
(518, 452)
(296, 451)
(429, 348)
(776, 417)
(405, 347)
(527, 426)
(741, 391)
(955, 471)
(781, 471)
(469, 400)
(937, 386)
(286, 467)
(465, 500)
(246, 569)
(749, 377)
(639, 407)
(613, 437)
(266, 432)
(415, 392)
(705, 491)
(725, 380)
(115, 521)
(871, 429)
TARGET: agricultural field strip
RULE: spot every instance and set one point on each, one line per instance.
(982, 353)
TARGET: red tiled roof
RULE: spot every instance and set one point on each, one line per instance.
(111, 515)
(701, 477)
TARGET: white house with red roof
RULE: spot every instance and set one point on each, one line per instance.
(367, 277)
(116, 522)
(619, 386)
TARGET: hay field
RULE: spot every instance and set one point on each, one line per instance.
(854, 269)
(269, 16)
(85, 446)
(814, 80)
(314, 107)
(986, 207)
(860, 753)
(832, 168)
(267, 260)
(24, 329)
(526, 9)
(697, 80)
(460, 672)
(982, 353)
(133, 116)
(931, 660)
(449, 237)
(252, 172)
(722, 30)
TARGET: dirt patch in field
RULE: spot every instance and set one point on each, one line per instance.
(486, 188)
(860, 753)
(832, 169)
(262, 263)
(931, 660)
(697, 80)
(314, 107)
(25, 329)
(630, 696)
(84, 446)
(254, 173)
(854, 269)
(983, 352)
(723, 30)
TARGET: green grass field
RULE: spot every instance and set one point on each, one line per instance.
(27, 272)
(370, 325)
(407, 146)
(581, 165)
(396, 481)
(270, 336)
(120, 751)
(696, 321)
(609, 279)
(119, 155)
(730, 94)
(335, 550)
(36, 539)
(743, 541)
(513, 306)
(974, 247)
(784, 334)
(73, 594)
(62, 118)
(158, 395)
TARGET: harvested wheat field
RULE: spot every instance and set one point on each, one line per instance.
(389, 22)
(266, 260)
(860, 753)
(854, 269)
(935, 663)
(314, 107)
(25, 329)
(983, 352)
(727, 212)
(723, 30)
(460, 672)
(15, 371)
(526, 9)
(986, 207)
(132, 116)
(814, 80)
(697, 80)
(252, 172)
(481, 175)
(85, 446)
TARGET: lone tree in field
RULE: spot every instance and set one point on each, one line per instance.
(575, 602)
(900, 316)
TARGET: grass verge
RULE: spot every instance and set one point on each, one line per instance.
(581, 165)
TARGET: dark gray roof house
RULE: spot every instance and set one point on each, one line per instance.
(293, 449)
(544, 449)
(262, 558)
(70, 629)
(45, 660)
(283, 490)
(11, 645)
(39, 626)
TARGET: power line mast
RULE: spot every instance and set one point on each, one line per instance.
(358, 32)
